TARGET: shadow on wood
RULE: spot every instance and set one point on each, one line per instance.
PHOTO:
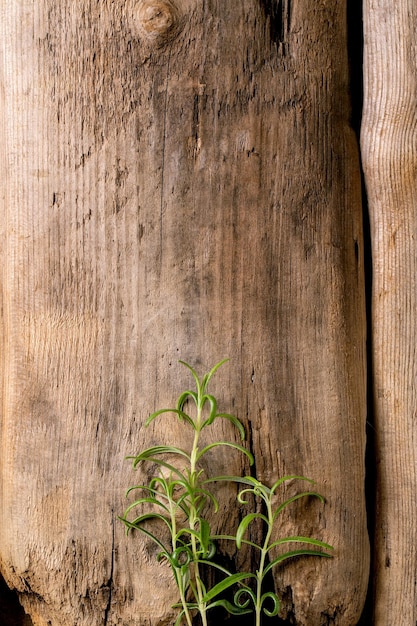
(11, 611)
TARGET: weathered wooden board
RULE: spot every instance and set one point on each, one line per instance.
(182, 182)
(390, 158)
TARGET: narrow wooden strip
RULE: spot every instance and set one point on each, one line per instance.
(389, 157)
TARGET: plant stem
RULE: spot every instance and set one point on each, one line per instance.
(193, 517)
(184, 604)
(260, 571)
(179, 578)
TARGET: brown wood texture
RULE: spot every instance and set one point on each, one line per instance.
(390, 157)
(182, 182)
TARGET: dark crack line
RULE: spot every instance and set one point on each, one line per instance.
(110, 579)
(251, 445)
(164, 138)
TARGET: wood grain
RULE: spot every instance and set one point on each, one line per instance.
(390, 158)
(183, 183)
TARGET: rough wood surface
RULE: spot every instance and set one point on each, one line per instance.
(390, 158)
(182, 182)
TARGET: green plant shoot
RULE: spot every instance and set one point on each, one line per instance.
(246, 596)
(176, 494)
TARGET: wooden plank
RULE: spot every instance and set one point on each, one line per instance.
(389, 157)
(179, 188)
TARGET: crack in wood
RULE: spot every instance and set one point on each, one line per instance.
(109, 583)
(278, 14)
(164, 137)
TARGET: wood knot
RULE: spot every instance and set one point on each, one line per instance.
(159, 20)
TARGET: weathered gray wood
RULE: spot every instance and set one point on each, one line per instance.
(182, 183)
(390, 157)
